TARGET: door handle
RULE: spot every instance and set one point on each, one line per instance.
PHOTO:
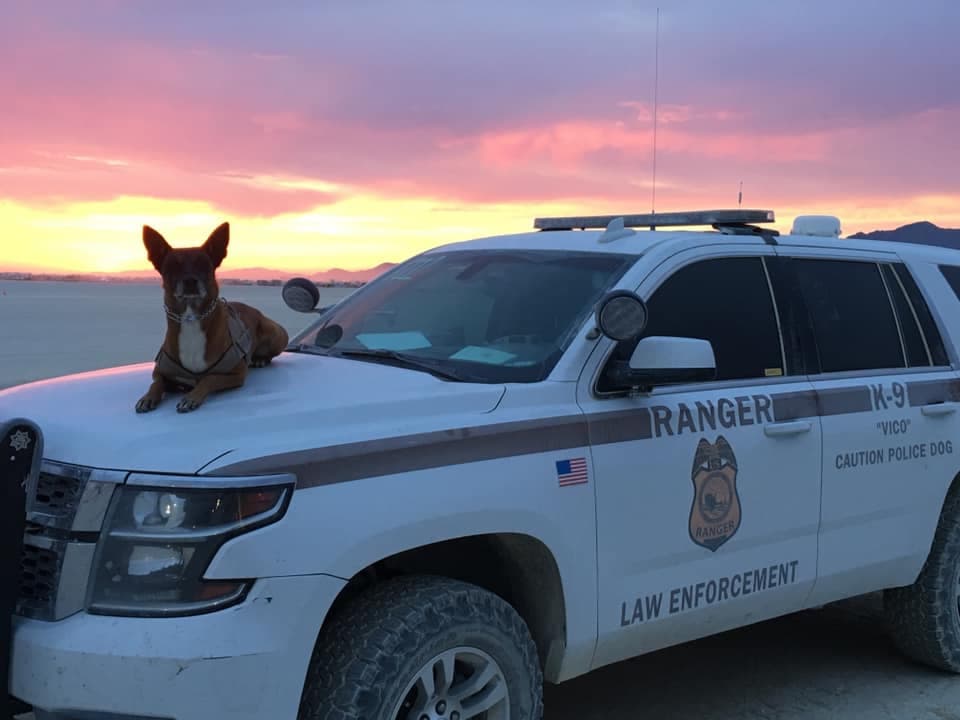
(939, 409)
(787, 428)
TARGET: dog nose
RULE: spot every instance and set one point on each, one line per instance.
(191, 286)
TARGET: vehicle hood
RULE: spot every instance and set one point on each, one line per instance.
(306, 400)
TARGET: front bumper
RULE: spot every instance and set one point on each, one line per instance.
(243, 663)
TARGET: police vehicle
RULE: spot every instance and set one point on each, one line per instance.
(505, 462)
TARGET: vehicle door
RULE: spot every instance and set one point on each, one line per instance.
(886, 395)
(708, 494)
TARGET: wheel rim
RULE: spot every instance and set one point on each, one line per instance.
(463, 683)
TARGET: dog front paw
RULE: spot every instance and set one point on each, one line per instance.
(148, 403)
(260, 362)
(189, 404)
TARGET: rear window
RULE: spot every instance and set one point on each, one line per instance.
(913, 342)
(854, 323)
(952, 275)
(938, 353)
(915, 317)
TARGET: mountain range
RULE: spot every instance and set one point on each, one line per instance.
(922, 233)
(252, 274)
(262, 273)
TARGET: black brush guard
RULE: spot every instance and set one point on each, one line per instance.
(21, 451)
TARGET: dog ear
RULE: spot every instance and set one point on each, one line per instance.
(157, 247)
(216, 244)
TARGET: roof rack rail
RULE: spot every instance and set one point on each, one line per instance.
(713, 218)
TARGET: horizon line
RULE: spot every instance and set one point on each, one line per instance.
(149, 273)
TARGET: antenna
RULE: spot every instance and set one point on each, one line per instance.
(656, 100)
(740, 195)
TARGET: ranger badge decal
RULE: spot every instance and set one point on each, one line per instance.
(715, 510)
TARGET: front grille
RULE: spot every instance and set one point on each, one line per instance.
(60, 492)
(39, 577)
(60, 539)
(58, 495)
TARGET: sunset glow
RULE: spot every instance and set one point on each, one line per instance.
(351, 135)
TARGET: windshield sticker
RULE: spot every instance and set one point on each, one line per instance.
(394, 341)
(475, 353)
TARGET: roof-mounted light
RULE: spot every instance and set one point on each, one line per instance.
(654, 220)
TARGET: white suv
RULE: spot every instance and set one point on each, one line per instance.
(505, 461)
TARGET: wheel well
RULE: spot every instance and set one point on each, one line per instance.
(952, 489)
(518, 568)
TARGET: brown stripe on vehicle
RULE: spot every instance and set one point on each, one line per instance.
(844, 400)
(456, 446)
(795, 405)
(821, 403)
(620, 426)
(420, 451)
(928, 392)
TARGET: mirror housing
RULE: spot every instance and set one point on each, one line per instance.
(661, 360)
(301, 294)
(621, 315)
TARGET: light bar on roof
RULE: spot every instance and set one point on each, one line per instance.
(651, 220)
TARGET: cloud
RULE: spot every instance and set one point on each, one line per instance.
(281, 109)
(54, 181)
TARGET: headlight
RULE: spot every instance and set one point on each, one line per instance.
(158, 542)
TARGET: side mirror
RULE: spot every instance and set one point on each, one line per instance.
(622, 315)
(667, 361)
(301, 294)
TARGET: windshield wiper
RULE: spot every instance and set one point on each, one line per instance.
(403, 360)
(307, 349)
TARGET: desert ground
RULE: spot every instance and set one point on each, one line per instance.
(829, 664)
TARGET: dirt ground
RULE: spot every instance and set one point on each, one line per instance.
(830, 664)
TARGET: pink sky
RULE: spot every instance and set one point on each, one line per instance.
(350, 133)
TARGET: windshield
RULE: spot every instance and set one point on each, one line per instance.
(480, 315)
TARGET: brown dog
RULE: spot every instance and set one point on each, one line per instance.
(210, 342)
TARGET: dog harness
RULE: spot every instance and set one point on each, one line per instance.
(241, 345)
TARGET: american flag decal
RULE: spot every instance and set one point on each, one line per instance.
(572, 472)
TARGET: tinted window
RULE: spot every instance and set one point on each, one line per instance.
(952, 274)
(852, 319)
(931, 333)
(726, 301)
(798, 343)
(913, 341)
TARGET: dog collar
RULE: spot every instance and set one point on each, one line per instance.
(178, 318)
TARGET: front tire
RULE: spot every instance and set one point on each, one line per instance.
(424, 647)
(924, 618)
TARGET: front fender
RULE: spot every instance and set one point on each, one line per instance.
(343, 528)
